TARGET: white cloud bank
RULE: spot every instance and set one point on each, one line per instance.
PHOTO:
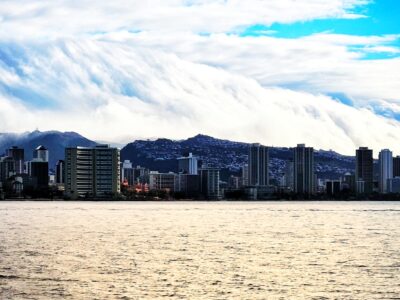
(115, 92)
(125, 69)
(27, 19)
(321, 63)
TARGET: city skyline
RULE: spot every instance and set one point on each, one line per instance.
(199, 149)
(99, 172)
(326, 72)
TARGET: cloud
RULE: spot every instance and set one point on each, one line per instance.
(125, 69)
(45, 19)
(111, 91)
(321, 63)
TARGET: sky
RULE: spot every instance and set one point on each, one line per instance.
(279, 72)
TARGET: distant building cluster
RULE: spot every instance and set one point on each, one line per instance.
(18, 175)
(98, 173)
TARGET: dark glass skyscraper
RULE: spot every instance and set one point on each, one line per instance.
(364, 170)
(396, 166)
(7, 168)
(39, 171)
(258, 165)
(60, 172)
(385, 169)
(303, 169)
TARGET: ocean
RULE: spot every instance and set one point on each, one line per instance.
(199, 250)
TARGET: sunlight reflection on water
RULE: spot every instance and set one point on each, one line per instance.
(214, 250)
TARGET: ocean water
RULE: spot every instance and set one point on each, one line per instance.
(207, 250)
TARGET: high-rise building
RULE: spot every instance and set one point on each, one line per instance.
(41, 153)
(396, 166)
(141, 175)
(60, 172)
(127, 173)
(393, 185)
(38, 170)
(18, 155)
(92, 171)
(364, 170)
(333, 187)
(258, 165)
(385, 169)
(234, 182)
(7, 168)
(188, 185)
(288, 175)
(303, 169)
(245, 175)
(349, 182)
(209, 183)
(188, 164)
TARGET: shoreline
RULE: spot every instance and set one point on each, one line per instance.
(203, 200)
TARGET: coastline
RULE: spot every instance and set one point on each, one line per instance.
(201, 200)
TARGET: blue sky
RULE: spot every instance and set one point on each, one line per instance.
(381, 17)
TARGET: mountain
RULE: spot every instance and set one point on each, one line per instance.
(161, 155)
(54, 141)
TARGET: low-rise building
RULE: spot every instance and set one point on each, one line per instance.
(163, 181)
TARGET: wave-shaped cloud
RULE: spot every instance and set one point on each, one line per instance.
(321, 63)
(111, 91)
(174, 68)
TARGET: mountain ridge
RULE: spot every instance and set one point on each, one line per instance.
(55, 141)
(161, 154)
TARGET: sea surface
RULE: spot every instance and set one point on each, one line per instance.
(200, 250)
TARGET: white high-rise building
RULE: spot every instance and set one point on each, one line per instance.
(127, 173)
(188, 164)
(92, 172)
(41, 153)
(385, 169)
